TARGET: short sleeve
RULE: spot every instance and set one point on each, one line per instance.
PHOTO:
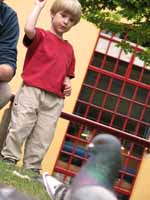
(35, 41)
(9, 34)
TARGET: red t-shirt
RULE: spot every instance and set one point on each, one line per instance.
(48, 61)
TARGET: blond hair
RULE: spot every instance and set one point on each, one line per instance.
(73, 7)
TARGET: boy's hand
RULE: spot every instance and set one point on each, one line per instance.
(40, 2)
(67, 87)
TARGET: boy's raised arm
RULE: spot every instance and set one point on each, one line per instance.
(33, 17)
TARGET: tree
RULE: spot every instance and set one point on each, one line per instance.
(122, 16)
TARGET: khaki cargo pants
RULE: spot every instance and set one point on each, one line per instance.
(33, 121)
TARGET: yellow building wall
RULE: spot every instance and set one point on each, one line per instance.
(83, 38)
(142, 185)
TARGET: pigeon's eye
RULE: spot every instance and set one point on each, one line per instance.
(100, 142)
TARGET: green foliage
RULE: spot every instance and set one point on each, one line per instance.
(122, 16)
(126, 46)
(145, 56)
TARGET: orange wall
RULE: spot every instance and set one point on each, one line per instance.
(142, 185)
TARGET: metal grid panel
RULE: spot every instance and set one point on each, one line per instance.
(115, 93)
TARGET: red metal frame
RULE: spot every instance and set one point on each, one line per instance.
(103, 127)
(128, 124)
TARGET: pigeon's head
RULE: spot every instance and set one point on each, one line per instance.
(103, 142)
(102, 165)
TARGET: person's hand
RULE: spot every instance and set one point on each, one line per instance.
(67, 87)
(40, 3)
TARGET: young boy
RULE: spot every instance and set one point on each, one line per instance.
(48, 68)
(9, 33)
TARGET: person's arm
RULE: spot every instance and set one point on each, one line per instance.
(6, 72)
(32, 18)
(8, 42)
(67, 88)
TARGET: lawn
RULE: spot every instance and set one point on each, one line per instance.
(23, 181)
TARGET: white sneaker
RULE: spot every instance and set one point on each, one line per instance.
(51, 184)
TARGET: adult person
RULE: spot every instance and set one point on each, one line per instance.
(9, 34)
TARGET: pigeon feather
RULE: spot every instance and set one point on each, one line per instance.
(96, 177)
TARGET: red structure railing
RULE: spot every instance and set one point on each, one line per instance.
(114, 98)
(105, 128)
(68, 168)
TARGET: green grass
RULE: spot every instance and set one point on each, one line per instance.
(30, 187)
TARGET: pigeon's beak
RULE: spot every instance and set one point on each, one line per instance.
(91, 145)
(90, 148)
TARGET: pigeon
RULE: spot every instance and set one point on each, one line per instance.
(97, 176)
